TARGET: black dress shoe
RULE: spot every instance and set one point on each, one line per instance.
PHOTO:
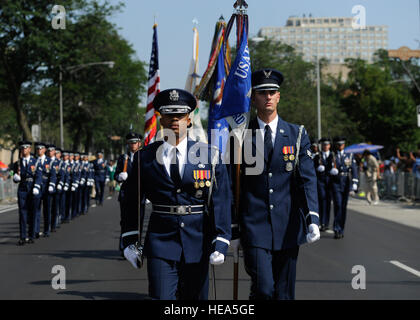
(31, 241)
(322, 228)
(336, 235)
(46, 235)
(37, 236)
(21, 242)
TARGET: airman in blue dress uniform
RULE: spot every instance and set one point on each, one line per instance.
(75, 184)
(189, 189)
(86, 186)
(123, 170)
(345, 177)
(61, 181)
(69, 161)
(47, 189)
(324, 162)
(279, 207)
(100, 167)
(55, 154)
(27, 174)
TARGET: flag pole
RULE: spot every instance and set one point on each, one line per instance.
(240, 6)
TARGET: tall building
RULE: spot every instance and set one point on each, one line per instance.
(332, 38)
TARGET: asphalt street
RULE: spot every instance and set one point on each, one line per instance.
(94, 270)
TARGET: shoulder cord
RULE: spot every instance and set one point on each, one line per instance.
(298, 148)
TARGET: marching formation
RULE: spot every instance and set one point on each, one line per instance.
(337, 175)
(190, 189)
(192, 222)
(56, 183)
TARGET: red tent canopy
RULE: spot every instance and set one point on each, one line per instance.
(3, 166)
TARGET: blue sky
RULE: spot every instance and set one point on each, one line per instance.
(175, 25)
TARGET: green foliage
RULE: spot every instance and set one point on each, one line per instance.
(98, 102)
(382, 106)
(298, 102)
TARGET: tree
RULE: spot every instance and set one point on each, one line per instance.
(383, 108)
(298, 103)
(98, 102)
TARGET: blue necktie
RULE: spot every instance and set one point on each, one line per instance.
(174, 168)
(268, 144)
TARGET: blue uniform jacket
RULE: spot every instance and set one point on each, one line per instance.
(49, 177)
(75, 174)
(328, 163)
(100, 170)
(91, 175)
(30, 175)
(346, 164)
(84, 174)
(171, 236)
(58, 167)
(276, 207)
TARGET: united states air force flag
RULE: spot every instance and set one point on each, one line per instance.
(237, 92)
(218, 130)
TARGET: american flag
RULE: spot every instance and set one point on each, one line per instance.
(153, 89)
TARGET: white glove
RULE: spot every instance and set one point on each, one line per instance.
(73, 189)
(59, 187)
(82, 182)
(334, 171)
(131, 256)
(217, 258)
(35, 191)
(123, 176)
(16, 177)
(66, 188)
(50, 189)
(321, 168)
(313, 234)
(354, 186)
(107, 180)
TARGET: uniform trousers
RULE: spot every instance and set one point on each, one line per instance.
(100, 188)
(324, 200)
(273, 273)
(25, 214)
(169, 280)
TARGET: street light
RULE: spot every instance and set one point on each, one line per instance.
(74, 69)
(318, 93)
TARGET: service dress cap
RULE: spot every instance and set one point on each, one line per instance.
(174, 101)
(266, 79)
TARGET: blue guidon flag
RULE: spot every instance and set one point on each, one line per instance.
(237, 92)
(218, 130)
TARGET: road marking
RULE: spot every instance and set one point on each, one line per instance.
(9, 209)
(93, 205)
(406, 268)
(329, 231)
(4, 240)
(109, 198)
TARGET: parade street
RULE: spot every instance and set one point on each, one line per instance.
(87, 249)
